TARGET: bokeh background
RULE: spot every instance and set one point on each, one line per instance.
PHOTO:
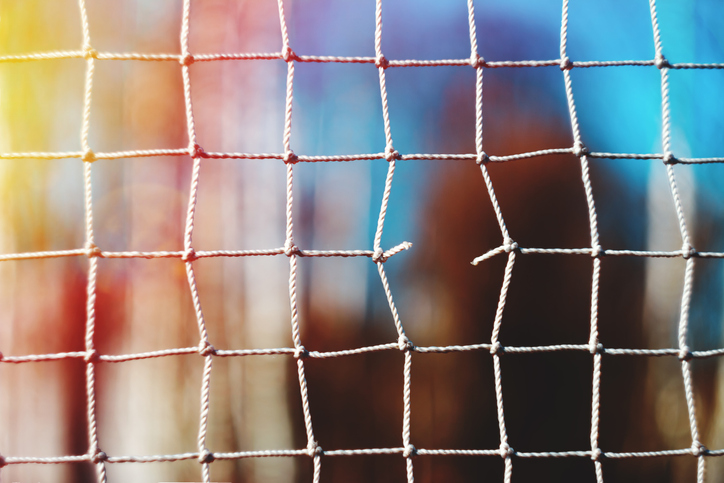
(151, 406)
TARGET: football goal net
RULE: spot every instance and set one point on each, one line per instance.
(309, 264)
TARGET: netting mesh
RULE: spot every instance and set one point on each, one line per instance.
(379, 255)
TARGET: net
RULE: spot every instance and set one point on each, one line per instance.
(205, 455)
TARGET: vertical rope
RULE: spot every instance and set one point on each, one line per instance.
(596, 251)
(96, 456)
(478, 63)
(290, 249)
(687, 251)
(379, 258)
(206, 350)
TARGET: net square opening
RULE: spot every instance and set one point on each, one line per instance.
(549, 301)
(44, 99)
(453, 403)
(239, 106)
(605, 31)
(255, 407)
(245, 301)
(547, 401)
(356, 401)
(137, 106)
(135, 26)
(432, 109)
(543, 201)
(619, 108)
(339, 294)
(144, 306)
(241, 205)
(140, 204)
(329, 28)
(643, 406)
(38, 26)
(343, 305)
(524, 110)
(149, 407)
(338, 204)
(337, 110)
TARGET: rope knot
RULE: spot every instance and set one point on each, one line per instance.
(687, 251)
(482, 158)
(685, 354)
(597, 454)
(186, 59)
(313, 449)
(196, 151)
(89, 53)
(92, 356)
(99, 457)
(91, 250)
(595, 348)
(206, 457)
(509, 245)
(379, 256)
(405, 344)
(566, 63)
(698, 449)
(206, 349)
(597, 251)
(189, 255)
(579, 149)
(288, 54)
(391, 154)
(88, 156)
(660, 61)
(381, 61)
(290, 248)
(409, 451)
(505, 450)
(477, 61)
(669, 158)
(301, 352)
(290, 157)
(496, 348)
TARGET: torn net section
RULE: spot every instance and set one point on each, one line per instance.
(509, 248)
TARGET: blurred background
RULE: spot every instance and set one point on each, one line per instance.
(151, 406)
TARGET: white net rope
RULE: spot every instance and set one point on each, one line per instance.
(188, 255)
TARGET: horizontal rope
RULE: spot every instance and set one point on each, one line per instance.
(363, 350)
